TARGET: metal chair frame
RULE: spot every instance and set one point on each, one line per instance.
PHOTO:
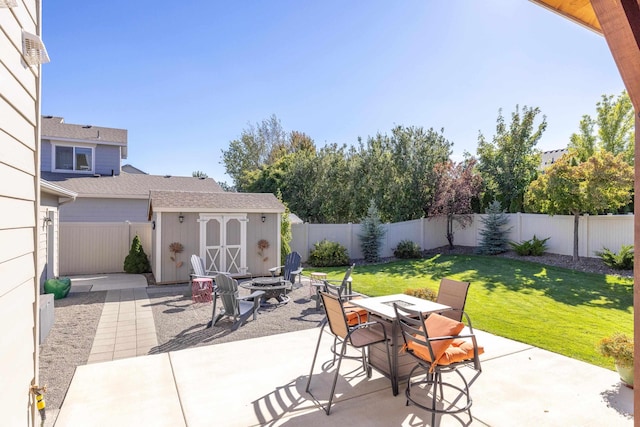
(412, 326)
(360, 336)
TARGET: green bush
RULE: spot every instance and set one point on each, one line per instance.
(424, 293)
(136, 262)
(407, 249)
(535, 246)
(623, 260)
(328, 254)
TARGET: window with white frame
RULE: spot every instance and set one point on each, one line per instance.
(77, 159)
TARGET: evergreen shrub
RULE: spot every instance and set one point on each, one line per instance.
(494, 234)
(136, 262)
(407, 249)
(328, 254)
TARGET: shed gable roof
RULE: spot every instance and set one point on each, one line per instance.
(198, 201)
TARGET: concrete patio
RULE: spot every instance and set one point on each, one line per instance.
(261, 382)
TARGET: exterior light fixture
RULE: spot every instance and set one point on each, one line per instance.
(8, 3)
(33, 50)
(181, 218)
(263, 217)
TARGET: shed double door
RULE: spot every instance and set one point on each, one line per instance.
(223, 241)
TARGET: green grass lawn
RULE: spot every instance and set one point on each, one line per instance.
(560, 310)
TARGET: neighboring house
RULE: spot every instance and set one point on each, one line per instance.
(550, 157)
(113, 205)
(122, 197)
(19, 199)
(222, 228)
(81, 150)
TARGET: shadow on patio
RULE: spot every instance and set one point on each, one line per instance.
(261, 382)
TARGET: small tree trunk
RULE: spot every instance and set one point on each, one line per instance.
(450, 230)
(576, 222)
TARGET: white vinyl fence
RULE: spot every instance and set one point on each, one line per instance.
(594, 233)
(99, 247)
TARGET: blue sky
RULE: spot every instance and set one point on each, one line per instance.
(185, 78)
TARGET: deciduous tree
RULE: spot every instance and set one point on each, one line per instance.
(602, 183)
(456, 184)
(510, 162)
(612, 130)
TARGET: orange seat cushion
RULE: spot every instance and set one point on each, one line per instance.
(458, 351)
(355, 314)
(437, 326)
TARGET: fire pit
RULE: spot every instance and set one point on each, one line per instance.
(273, 287)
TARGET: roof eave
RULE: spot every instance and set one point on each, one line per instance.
(569, 11)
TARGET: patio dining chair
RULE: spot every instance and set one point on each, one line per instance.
(438, 348)
(233, 305)
(360, 336)
(343, 291)
(454, 294)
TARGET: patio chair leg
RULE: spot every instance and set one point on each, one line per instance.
(315, 355)
(335, 377)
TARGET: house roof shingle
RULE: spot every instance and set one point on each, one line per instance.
(54, 128)
(129, 185)
(193, 201)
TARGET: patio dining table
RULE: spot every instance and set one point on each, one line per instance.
(381, 309)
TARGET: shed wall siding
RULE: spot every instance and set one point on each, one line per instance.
(19, 113)
(104, 210)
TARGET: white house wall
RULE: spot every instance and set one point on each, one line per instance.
(19, 193)
(86, 209)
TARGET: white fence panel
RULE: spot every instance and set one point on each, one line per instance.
(608, 231)
(594, 233)
(435, 233)
(399, 231)
(91, 248)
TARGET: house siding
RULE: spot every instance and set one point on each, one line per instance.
(19, 188)
(107, 160)
(106, 157)
(86, 209)
(45, 156)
